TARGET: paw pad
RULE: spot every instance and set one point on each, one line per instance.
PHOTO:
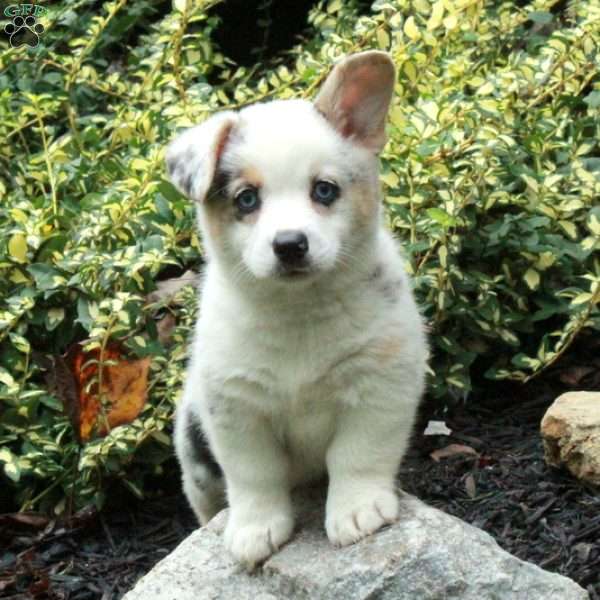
(24, 31)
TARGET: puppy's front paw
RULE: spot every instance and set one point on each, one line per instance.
(351, 519)
(251, 541)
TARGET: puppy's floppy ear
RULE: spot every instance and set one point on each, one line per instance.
(193, 156)
(356, 96)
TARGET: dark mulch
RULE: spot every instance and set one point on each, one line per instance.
(537, 513)
(92, 556)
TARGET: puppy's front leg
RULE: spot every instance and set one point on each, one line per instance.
(256, 474)
(362, 461)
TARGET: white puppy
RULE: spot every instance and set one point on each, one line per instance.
(310, 354)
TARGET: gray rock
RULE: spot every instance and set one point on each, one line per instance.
(427, 555)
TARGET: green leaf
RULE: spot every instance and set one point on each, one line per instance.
(593, 99)
(441, 216)
(540, 17)
(46, 277)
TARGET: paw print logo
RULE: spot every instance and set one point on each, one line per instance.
(24, 31)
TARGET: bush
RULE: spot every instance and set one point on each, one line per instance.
(491, 177)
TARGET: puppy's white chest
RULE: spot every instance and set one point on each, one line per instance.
(294, 359)
(305, 431)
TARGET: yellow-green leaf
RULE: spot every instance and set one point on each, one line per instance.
(383, 39)
(390, 179)
(18, 215)
(334, 6)
(582, 298)
(431, 109)
(569, 228)
(139, 164)
(410, 71)
(450, 22)
(411, 29)
(180, 5)
(17, 247)
(437, 14)
(594, 224)
(443, 254)
(486, 89)
(532, 279)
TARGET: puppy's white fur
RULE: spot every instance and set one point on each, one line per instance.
(294, 377)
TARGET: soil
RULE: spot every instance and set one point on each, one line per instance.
(501, 485)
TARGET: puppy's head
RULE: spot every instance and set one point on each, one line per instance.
(288, 190)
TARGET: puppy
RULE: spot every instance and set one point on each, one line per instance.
(309, 355)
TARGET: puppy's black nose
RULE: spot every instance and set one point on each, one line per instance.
(290, 246)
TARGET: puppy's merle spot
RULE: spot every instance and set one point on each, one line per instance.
(189, 156)
(376, 274)
(200, 483)
(171, 165)
(186, 183)
(199, 446)
(391, 289)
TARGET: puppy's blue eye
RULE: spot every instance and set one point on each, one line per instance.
(247, 200)
(325, 192)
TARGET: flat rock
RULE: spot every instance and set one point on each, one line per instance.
(571, 433)
(426, 555)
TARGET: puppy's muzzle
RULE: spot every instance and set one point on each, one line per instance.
(290, 247)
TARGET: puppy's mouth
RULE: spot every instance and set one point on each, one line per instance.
(300, 271)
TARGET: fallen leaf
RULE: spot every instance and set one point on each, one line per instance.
(573, 375)
(452, 450)
(470, 486)
(582, 550)
(437, 428)
(29, 519)
(123, 389)
(7, 581)
(124, 386)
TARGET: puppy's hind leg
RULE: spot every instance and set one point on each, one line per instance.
(203, 481)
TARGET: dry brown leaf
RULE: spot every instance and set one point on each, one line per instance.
(28, 519)
(124, 388)
(452, 450)
(573, 375)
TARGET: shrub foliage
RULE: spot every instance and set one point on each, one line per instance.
(491, 177)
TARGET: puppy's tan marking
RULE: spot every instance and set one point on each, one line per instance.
(387, 348)
(366, 202)
(252, 176)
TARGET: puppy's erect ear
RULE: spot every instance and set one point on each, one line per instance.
(193, 156)
(356, 96)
